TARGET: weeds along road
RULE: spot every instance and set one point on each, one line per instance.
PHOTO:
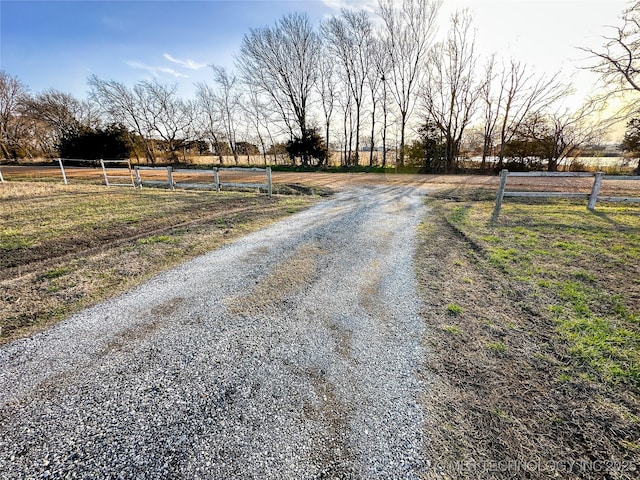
(294, 352)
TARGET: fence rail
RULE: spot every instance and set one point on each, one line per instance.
(112, 180)
(216, 184)
(130, 176)
(592, 197)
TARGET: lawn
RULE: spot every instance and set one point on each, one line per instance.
(63, 248)
(534, 329)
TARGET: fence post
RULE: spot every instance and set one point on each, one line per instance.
(64, 175)
(170, 177)
(138, 179)
(216, 179)
(269, 181)
(104, 173)
(593, 198)
(503, 183)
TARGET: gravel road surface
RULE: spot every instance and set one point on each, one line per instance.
(294, 352)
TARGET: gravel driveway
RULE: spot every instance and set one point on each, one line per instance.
(294, 352)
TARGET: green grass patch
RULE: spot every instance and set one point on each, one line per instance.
(497, 347)
(458, 214)
(452, 329)
(11, 239)
(156, 239)
(55, 273)
(454, 309)
(582, 265)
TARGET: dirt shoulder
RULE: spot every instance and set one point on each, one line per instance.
(512, 396)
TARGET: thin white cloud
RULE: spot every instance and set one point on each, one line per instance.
(156, 71)
(188, 63)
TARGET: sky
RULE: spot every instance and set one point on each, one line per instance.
(58, 44)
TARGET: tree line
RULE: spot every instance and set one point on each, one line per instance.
(361, 84)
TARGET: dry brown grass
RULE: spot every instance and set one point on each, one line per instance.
(65, 247)
(511, 398)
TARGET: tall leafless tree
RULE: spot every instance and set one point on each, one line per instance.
(60, 115)
(282, 62)
(61, 111)
(167, 117)
(257, 118)
(207, 115)
(488, 101)
(408, 37)
(327, 89)
(450, 93)
(349, 38)
(377, 90)
(560, 133)
(227, 101)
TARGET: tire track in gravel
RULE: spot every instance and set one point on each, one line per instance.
(294, 352)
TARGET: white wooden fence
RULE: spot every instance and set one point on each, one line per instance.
(592, 198)
(111, 178)
(215, 177)
(133, 176)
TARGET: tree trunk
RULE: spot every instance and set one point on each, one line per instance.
(373, 130)
(403, 124)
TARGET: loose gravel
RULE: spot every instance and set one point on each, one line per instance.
(294, 352)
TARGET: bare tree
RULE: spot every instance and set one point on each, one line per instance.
(150, 109)
(167, 117)
(559, 135)
(227, 102)
(450, 92)
(345, 102)
(327, 89)
(282, 63)
(58, 115)
(619, 60)
(123, 105)
(377, 90)
(12, 94)
(257, 117)
(207, 109)
(61, 111)
(349, 38)
(489, 108)
(408, 36)
(521, 95)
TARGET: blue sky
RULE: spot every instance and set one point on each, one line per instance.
(58, 44)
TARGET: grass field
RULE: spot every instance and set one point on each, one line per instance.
(534, 329)
(63, 248)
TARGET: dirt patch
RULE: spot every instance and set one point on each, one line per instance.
(333, 455)
(285, 279)
(500, 405)
(133, 335)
